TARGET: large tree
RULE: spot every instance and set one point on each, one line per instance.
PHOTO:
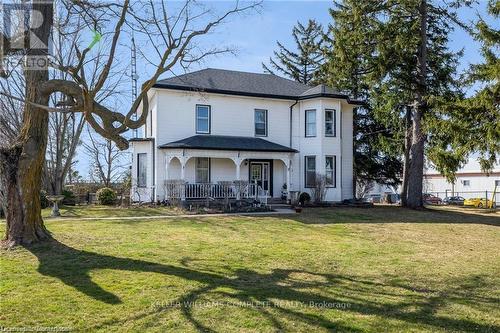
(377, 142)
(171, 34)
(303, 63)
(402, 53)
(474, 121)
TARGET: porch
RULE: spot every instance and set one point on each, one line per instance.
(224, 168)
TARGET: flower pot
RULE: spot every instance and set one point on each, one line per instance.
(298, 209)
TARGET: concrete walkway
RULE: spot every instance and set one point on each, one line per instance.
(278, 211)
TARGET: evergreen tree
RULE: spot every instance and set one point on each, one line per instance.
(401, 54)
(300, 65)
(377, 144)
(475, 120)
(485, 104)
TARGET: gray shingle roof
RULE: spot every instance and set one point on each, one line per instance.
(321, 89)
(234, 81)
(247, 84)
(222, 142)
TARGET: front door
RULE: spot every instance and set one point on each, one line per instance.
(260, 174)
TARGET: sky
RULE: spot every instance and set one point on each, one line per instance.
(255, 35)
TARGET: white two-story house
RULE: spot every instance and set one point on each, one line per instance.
(214, 126)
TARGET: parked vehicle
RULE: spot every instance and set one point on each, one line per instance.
(373, 198)
(458, 201)
(392, 198)
(478, 203)
(431, 199)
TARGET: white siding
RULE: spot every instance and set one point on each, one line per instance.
(347, 137)
(173, 116)
(144, 193)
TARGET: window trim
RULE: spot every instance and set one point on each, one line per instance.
(315, 124)
(334, 170)
(306, 170)
(266, 122)
(209, 170)
(334, 122)
(209, 119)
(139, 169)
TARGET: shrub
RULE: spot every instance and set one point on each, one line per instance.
(319, 190)
(106, 196)
(44, 202)
(69, 198)
(304, 197)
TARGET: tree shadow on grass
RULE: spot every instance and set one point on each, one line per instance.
(388, 300)
(392, 214)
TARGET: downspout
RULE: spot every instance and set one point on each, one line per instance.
(291, 117)
(153, 171)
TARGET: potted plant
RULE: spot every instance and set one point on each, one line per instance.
(303, 199)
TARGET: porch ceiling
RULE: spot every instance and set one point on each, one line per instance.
(223, 142)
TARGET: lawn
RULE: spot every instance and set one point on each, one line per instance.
(106, 211)
(343, 270)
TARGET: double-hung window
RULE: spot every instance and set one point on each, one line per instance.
(142, 169)
(310, 122)
(331, 170)
(330, 125)
(202, 170)
(260, 122)
(310, 171)
(203, 119)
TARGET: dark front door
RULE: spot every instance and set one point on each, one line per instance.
(260, 174)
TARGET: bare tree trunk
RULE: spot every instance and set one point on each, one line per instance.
(22, 164)
(21, 170)
(406, 162)
(416, 170)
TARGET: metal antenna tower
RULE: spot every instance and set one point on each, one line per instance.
(134, 77)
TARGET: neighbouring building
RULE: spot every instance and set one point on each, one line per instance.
(470, 181)
(213, 126)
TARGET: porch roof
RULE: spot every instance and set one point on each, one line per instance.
(224, 142)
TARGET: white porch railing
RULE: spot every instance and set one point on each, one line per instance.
(178, 189)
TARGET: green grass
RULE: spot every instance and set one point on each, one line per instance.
(106, 211)
(381, 269)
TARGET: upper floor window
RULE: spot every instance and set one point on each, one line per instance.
(310, 169)
(202, 170)
(466, 182)
(497, 182)
(260, 122)
(330, 170)
(330, 123)
(203, 119)
(310, 122)
(142, 169)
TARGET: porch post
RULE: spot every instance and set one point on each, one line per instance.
(167, 162)
(183, 160)
(238, 161)
(288, 166)
(238, 168)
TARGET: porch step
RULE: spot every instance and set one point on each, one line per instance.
(280, 205)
